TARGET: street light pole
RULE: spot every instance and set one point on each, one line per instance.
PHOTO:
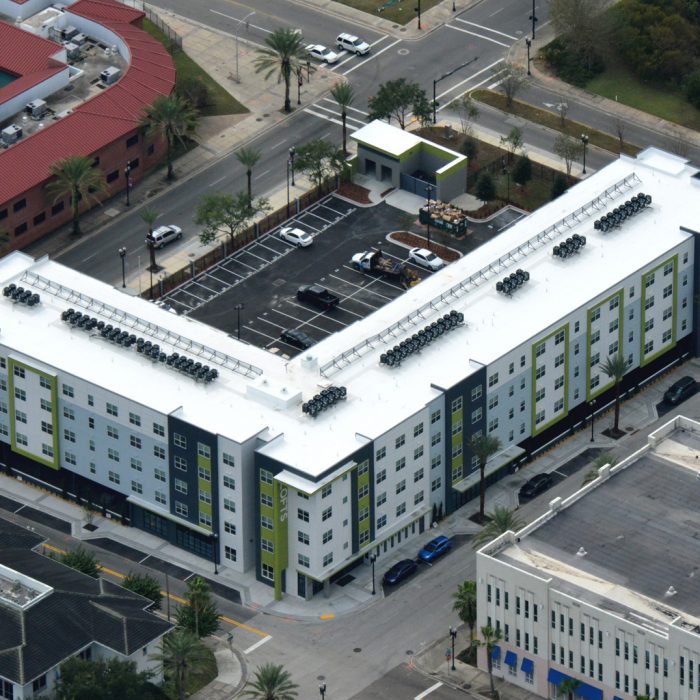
(373, 558)
(429, 191)
(453, 634)
(592, 405)
(292, 153)
(216, 552)
(300, 80)
(534, 19)
(584, 141)
(528, 43)
(322, 690)
(127, 173)
(454, 7)
(434, 102)
(418, 11)
(238, 308)
(238, 26)
(442, 77)
(288, 164)
(122, 255)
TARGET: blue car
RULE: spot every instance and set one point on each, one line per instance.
(400, 571)
(435, 548)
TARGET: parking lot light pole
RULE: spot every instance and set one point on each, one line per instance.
(122, 255)
(238, 308)
(292, 153)
(584, 141)
(373, 558)
(453, 634)
(429, 191)
(127, 175)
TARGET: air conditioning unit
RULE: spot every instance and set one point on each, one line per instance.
(110, 75)
(68, 32)
(11, 134)
(72, 50)
(79, 39)
(36, 109)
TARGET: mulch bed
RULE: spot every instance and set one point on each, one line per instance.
(415, 241)
(355, 192)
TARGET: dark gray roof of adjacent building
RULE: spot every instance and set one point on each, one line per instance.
(79, 611)
(640, 529)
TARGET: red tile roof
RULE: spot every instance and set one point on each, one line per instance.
(27, 56)
(101, 120)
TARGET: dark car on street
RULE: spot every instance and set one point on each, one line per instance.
(399, 572)
(536, 485)
(297, 338)
(317, 296)
(680, 391)
(435, 549)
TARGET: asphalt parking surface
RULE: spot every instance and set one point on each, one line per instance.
(265, 276)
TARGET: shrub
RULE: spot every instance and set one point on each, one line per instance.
(559, 186)
(692, 88)
(194, 90)
(522, 172)
(570, 66)
(485, 189)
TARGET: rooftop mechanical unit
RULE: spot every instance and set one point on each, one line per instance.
(36, 109)
(68, 32)
(110, 75)
(72, 50)
(11, 134)
(79, 39)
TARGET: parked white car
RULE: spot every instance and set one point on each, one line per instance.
(322, 53)
(426, 258)
(163, 235)
(351, 43)
(296, 236)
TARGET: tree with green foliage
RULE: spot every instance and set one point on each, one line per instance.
(194, 90)
(513, 142)
(226, 214)
(173, 118)
(568, 149)
(344, 94)
(149, 216)
(614, 367)
(468, 113)
(522, 172)
(320, 160)
(77, 178)
(145, 585)
(559, 186)
(581, 25)
(500, 520)
(199, 616)
(483, 446)
(181, 655)
(567, 688)
(512, 78)
(271, 682)
(82, 560)
(396, 98)
(485, 188)
(248, 157)
(106, 679)
(284, 54)
(465, 605)
(490, 638)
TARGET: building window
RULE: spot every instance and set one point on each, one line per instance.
(159, 474)
(180, 441)
(649, 303)
(540, 372)
(135, 441)
(112, 410)
(229, 505)
(613, 347)
(559, 382)
(47, 406)
(229, 481)
(614, 303)
(401, 486)
(112, 432)
(57, 208)
(400, 441)
(328, 559)
(159, 429)
(418, 452)
(435, 417)
(327, 513)
(559, 360)
(136, 464)
(457, 404)
(400, 463)
(303, 560)
(436, 439)
(400, 509)
(559, 337)
(326, 490)
(436, 484)
(648, 347)
(493, 402)
(265, 476)
(228, 460)
(476, 415)
(19, 205)
(47, 450)
(21, 417)
(114, 477)
(381, 499)
(595, 314)
(267, 571)
(159, 452)
(418, 430)
(266, 500)
(327, 536)
(493, 379)
(21, 439)
(266, 522)
(229, 528)
(540, 349)
(303, 515)
(381, 522)
(181, 486)
(477, 391)
(381, 453)
(137, 487)
(302, 537)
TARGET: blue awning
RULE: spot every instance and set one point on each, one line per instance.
(556, 677)
(496, 653)
(511, 659)
(527, 666)
(588, 692)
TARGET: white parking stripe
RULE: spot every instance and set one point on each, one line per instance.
(480, 36)
(488, 29)
(272, 338)
(427, 692)
(373, 56)
(304, 323)
(380, 280)
(362, 287)
(272, 323)
(317, 315)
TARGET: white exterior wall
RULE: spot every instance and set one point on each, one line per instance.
(39, 91)
(97, 31)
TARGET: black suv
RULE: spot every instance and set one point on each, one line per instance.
(297, 338)
(536, 485)
(680, 391)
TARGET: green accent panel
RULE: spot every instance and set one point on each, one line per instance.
(436, 150)
(203, 461)
(53, 463)
(535, 429)
(620, 340)
(205, 507)
(279, 537)
(645, 360)
(459, 165)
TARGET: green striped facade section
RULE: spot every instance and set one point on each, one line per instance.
(620, 293)
(646, 359)
(536, 429)
(204, 463)
(280, 518)
(20, 449)
(457, 463)
(364, 502)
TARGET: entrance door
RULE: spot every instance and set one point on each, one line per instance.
(386, 173)
(301, 585)
(370, 167)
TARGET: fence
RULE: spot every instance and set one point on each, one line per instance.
(174, 39)
(269, 222)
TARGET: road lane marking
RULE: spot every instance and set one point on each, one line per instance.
(374, 55)
(327, 616)
(350, 127)
(262, 174)
(257, 644)
(216, 182)
(488, 29)
(471, 77)
(354, 109)
(235, 19)
(427, 692)
(480, 36)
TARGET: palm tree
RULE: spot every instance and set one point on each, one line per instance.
(172, 118)
(272, 682)
(180, 654)
(285, 53)
(149, 216)
(76, 177)
(343, 94)
(248, 158)
(465, 605)
(501, 520)
(197, 596)
(490, 638)
(483, 446)
(615, 367)
(567, 687)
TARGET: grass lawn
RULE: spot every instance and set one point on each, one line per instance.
(221, 101)
(618, 83)
(204, 675)
(552, 120)
(399, 11)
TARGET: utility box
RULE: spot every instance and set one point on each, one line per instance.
(110, 75)
(68, 32)
(11, 134)
(72, 50)
(79, 39)
(36, 109)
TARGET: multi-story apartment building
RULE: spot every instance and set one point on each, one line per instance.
(234, 470)
(601, 589)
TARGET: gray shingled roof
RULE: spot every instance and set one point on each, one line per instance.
(79, 611)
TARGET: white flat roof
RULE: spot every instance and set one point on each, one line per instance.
(378, 397)
(386, 138)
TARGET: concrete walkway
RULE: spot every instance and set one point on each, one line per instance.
(232, 672)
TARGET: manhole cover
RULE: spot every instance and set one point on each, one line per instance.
(320, 678)
(409, 652)
(403, 52)
(357, 650)
(258, 119)
(403, 29)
